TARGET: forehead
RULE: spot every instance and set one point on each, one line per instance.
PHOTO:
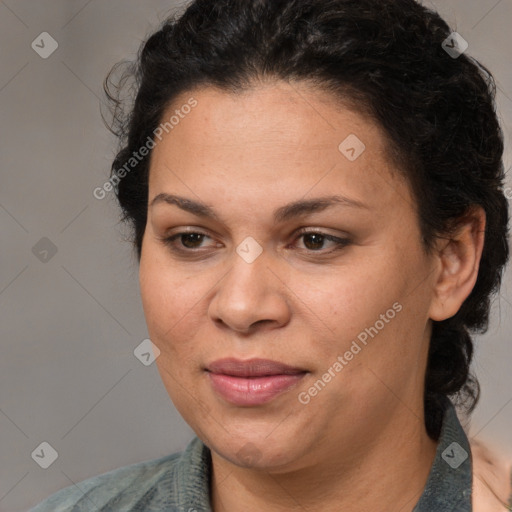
(274, 114)
(289, 136)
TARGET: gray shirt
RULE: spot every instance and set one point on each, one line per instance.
(180, 482)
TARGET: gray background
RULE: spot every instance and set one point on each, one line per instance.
(68, 375)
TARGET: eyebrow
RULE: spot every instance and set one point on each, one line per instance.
(295, 209)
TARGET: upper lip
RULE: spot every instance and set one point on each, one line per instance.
(252, 367)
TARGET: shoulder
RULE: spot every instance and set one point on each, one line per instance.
(114, 490)
(492, 477)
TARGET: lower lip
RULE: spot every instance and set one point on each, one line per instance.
(252, 391)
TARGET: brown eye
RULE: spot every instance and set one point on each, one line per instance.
(190, 239)
(314, 241)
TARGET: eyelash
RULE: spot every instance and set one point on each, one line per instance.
(340, 242)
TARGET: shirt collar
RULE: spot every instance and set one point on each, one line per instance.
(450, 481)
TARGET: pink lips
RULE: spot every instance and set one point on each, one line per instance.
(252, 382)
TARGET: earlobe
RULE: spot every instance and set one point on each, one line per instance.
(458, 258)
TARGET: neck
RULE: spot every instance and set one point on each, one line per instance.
(388, 474)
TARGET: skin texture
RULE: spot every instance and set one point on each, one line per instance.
(245, 156)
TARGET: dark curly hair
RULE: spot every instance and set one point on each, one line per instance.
(386, 59)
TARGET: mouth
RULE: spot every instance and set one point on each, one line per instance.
(252, 382)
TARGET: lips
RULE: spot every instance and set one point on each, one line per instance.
(253, 382)
(252, 368)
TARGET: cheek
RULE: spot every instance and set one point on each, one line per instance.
(351, 298)
(371, 304)
(174, 314)
(168, 302)
(167, 296)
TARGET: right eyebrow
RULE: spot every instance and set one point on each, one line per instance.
(188, 205)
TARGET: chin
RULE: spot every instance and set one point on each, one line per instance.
(257, 453)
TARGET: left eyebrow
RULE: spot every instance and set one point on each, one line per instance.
(292, 210)
(302, 208)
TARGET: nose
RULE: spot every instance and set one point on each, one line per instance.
(251, 296)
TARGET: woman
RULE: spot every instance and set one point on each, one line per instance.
(316, 196)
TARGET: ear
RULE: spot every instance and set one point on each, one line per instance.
(458, 258)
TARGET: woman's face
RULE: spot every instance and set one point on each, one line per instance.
(351, 318)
